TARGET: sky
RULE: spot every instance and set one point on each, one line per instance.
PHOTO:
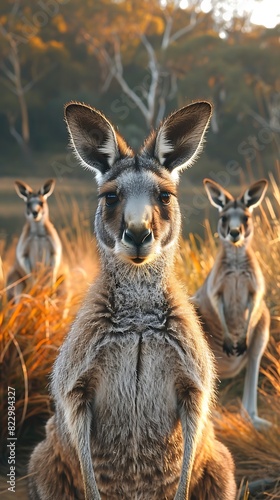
(263, 12)
(266, 12)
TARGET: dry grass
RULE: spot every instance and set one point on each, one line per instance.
(32, 331)
(257, 455)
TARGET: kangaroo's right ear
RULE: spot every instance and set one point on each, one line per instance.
(23, 190)
(178, 141)
(253, 196)
(94, 139)
(218, 196)
(47, 189)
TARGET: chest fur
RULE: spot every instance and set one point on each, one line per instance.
(136, 412)
(39, 250)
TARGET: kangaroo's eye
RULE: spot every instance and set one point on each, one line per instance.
(111, 199)
(165, 198)
(245, 218)
(224, 219)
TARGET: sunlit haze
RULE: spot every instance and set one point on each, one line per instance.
(262, 12)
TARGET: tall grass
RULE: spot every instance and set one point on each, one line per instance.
(32, 331)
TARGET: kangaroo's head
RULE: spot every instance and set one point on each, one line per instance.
(36, 202)
(138, 216)
(235, 214)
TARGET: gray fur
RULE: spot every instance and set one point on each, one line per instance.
(133, 384)
(231, 300)
(39, 246)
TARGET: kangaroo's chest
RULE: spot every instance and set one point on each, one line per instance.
(136, 388)
(136, 424)
(40, 251)
(236, 291)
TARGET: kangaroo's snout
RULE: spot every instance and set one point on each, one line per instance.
(235, 234)
(137, 236)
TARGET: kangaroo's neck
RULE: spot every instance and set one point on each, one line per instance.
(39, 228)
(139, 288)
(236, 255)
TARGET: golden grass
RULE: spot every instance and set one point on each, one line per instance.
(32, 331)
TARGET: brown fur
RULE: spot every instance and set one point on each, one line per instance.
(231, 303)
(38, 252)
(134, 381)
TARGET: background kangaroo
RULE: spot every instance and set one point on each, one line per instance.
(133, 382)
(230, 302)
(39, 244)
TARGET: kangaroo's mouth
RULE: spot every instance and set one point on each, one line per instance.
(138, 260)
(236, 239)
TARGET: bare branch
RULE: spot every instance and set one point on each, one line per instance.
(187, 29)
(13, 131)
(262, 120)
(161, 110)
(115, 68)
(14, 11)
(8, 72)
(173, 86)
(153, 65)
(9, 86)
(117, 55)
(33, 82)
(107, 82)
(167, 32)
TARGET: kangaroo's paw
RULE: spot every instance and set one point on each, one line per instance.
(241, 347)
(228, 346)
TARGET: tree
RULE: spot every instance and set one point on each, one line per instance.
(21, 44)
(156, 30)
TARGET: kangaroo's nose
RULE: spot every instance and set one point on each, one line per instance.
(35, 213)
(234, 233)
(138, 236)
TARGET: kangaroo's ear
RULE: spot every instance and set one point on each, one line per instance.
(218, 196)
(254, 195)
(179, 139)
(47, 188)
(23, 190)
(94, 139)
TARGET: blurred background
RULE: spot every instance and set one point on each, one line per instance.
(136, 61)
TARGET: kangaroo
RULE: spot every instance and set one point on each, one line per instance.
(133, 382)
(230, 302)
(39, 243)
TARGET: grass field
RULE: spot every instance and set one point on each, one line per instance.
(32, 331)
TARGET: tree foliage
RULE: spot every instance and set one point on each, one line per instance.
(137, 61)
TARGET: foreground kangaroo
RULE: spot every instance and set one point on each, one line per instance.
(230, 302)
(39, 243)
(133, 382)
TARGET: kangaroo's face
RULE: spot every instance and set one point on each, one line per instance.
(138, 216)
(35, 202)
(235, 223)
(35, 207)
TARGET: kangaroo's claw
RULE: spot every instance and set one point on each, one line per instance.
(228, 347)
(241, 347)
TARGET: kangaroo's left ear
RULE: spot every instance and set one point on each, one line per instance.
(23, 190)
(179, 140)
(218, 196)
(254, 195)
(47, 188)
